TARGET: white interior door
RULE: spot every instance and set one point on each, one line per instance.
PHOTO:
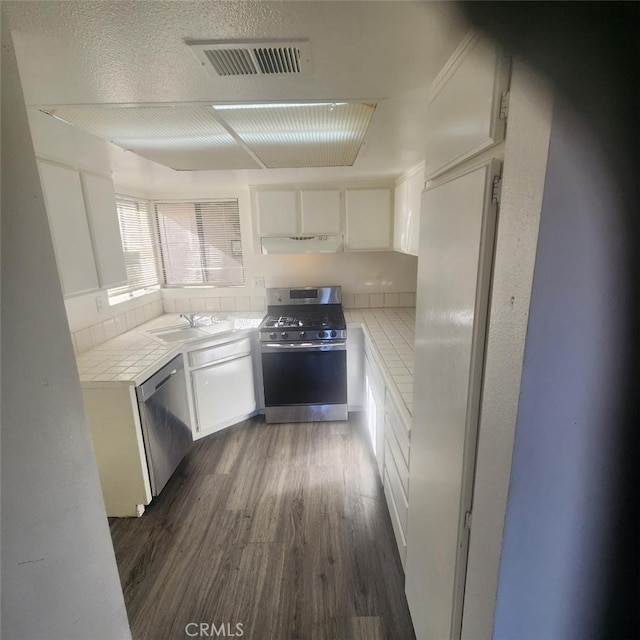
(456, 244)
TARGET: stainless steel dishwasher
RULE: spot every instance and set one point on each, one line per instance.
(166, 426)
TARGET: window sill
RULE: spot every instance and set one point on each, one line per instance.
(132, 295)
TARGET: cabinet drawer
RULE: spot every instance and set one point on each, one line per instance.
(395, 521)
(220, 352)
(396, 486)
(395, 424)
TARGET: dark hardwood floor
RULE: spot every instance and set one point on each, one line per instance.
(281, 528)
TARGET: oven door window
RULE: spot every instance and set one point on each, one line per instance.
(304, 377)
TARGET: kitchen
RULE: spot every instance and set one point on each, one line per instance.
(374, 277)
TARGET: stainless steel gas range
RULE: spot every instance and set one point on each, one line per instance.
(303, 342)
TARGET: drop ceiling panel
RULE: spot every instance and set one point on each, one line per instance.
(302, 135)
(113, 52)
(181, 137)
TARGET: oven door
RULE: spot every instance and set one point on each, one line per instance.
(305, 373)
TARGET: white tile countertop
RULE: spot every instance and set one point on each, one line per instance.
(134, 356)
(392, 332)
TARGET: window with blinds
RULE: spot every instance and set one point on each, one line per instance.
(137, 244)
(200, 243)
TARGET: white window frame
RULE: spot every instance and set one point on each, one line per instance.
(159, 249)
(117, 295)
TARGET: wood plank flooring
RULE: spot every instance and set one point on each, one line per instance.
(281, 528)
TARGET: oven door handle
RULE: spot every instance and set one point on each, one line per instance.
(279, 347)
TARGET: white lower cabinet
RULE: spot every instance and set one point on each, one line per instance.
(222, 385)
(396, 473)
(355, 368)
(374, 408)
(389, 426)
(116, 433)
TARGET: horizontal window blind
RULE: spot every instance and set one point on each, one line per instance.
(137, 243)
(200, 243)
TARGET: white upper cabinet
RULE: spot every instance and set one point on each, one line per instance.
(363, 216)
(295, 213)
(84, 225)
(69, 228)
(277, 213)
(368, 219)
(464, 114)
(320, 212)
(400, 226)
(406, 216)
(100, 204)
(414, 198)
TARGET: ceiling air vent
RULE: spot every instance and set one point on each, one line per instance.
(258, 57)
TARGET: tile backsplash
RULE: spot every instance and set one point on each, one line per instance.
(96, 334)
(257, 303)
(378, 300)
(199, 304)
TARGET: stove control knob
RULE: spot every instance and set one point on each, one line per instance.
(273, 335)
(303, 335)
(284, 335)
(322, 334)
(333, 334)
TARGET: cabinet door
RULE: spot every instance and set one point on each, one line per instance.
(69, 228)
(368, 219)
(277, 213)
(374, 407)
(224, 393)
(320, 212)
(400, 226)
(463, 116)
(355, 368)
(415, 185)
(100, 202)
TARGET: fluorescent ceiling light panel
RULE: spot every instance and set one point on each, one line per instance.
(272, 105)
(233, 136)
(327, 134)
(182, 137)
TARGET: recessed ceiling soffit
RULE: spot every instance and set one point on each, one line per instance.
(230, 136)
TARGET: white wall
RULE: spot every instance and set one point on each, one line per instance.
(525, 160)
(59, 575)
(561, 509)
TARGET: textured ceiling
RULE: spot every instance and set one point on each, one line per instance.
(122, 52)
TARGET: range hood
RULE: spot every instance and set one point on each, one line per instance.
(302, 244)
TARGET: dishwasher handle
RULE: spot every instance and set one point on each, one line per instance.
(165, 380)
(160, 378)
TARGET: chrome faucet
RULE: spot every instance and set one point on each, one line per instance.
(192, 319)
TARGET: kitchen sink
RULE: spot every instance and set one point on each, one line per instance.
(186, 333)
(210, 325)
